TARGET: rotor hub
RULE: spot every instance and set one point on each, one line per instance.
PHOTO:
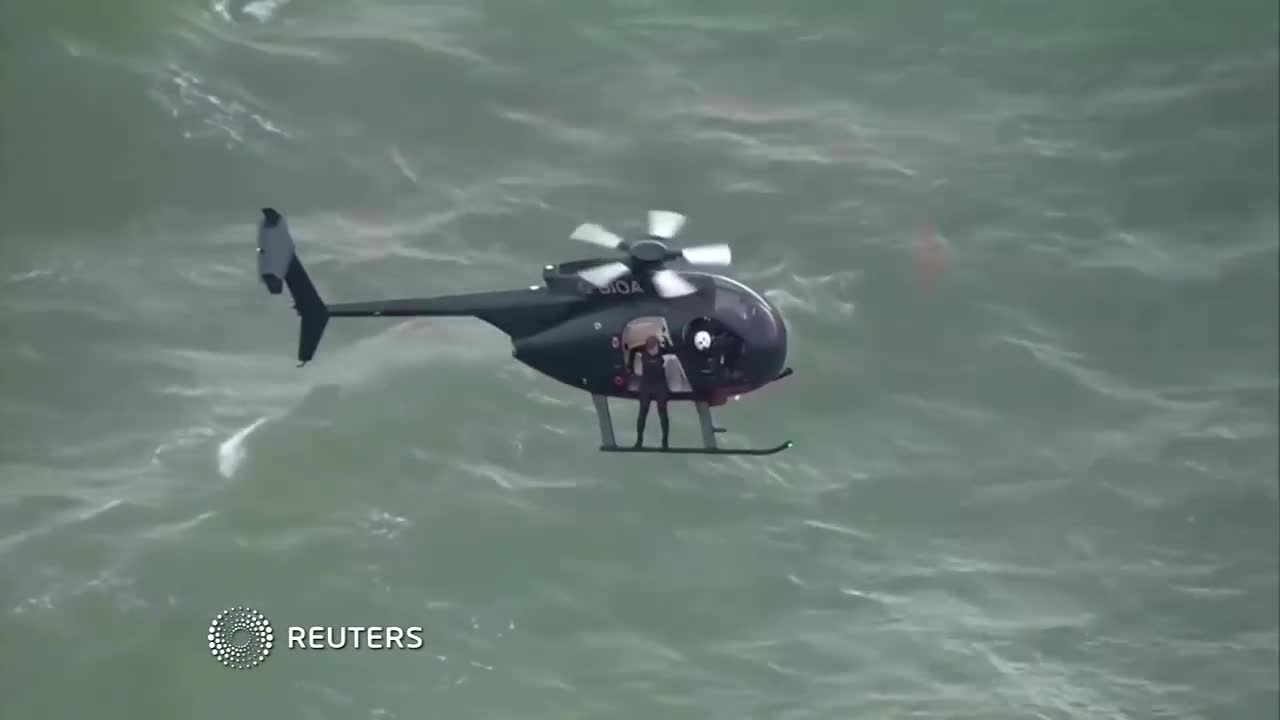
(649, 251)
(646, 259)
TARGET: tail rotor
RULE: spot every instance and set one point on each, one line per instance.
(280, 268)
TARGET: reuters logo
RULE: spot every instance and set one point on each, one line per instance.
(240, 638)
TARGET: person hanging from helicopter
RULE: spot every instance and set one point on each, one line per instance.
(639, 350)
(653, 388)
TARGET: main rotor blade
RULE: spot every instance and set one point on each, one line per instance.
(597, 235)
(708, 254)
(665, 224)
(602, 275)
(671, 285)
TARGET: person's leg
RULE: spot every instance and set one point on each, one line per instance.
(642, 416)
(663, 418)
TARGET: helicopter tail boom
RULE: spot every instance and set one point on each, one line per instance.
(518, 313)
(515, 312)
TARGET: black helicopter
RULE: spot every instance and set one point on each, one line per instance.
(584, 325)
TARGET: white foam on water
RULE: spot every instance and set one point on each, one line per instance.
(221, 8)
(263, 10)
(231, 452)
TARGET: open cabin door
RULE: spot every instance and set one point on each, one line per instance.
(633, 337)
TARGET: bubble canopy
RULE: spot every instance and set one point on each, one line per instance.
(756, 321)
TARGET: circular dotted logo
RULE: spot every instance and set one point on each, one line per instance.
(240, 638)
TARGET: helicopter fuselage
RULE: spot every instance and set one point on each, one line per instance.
(578, 333)
(585, 336)
(592, 346)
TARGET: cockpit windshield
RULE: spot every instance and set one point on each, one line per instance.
(746, 313)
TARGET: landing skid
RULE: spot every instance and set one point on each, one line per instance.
(698, 451)
(610, 444)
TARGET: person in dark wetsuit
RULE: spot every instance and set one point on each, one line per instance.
(653, 388)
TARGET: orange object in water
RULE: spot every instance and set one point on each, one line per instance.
(929, 257)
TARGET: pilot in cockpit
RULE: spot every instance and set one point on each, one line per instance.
(719, 350)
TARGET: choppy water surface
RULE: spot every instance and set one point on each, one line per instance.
(1040, 483)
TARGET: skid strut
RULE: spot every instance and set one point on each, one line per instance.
(609, 443)
(605, 420)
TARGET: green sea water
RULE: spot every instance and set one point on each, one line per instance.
(1043, 486)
